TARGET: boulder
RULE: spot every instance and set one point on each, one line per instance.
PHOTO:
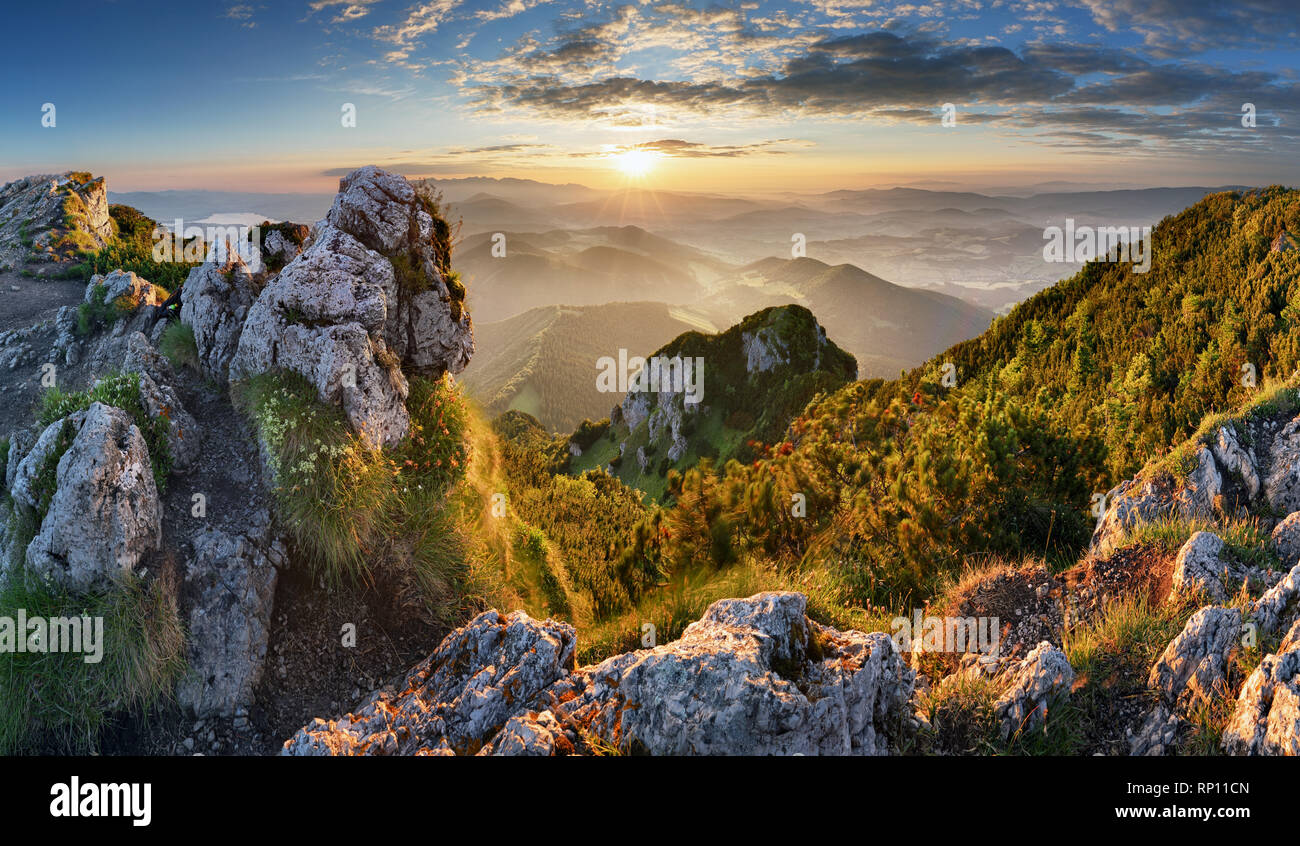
(456, 699)
(1043, 678)
(233, 587)
(123, 289)
(215, 302)
(1194, 666)
(104, 516)
(426, 324)
(1198, 570)
(371, 297)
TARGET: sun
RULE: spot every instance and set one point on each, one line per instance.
(636, 162)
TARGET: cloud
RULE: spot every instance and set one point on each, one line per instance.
(420, 20)
(1189, 26)
(677, 148)
(242, 14)
(352, 9)
(1053, 92)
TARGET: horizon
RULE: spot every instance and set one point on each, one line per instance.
(763, 97)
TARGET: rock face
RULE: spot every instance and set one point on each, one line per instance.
(234, 590)
(369, 296)
(215, 301)
(1194, 665)
(104, 515)
(1266, 720)
(1044, 677)
(457, 698)
(753, 676)
(44, 218)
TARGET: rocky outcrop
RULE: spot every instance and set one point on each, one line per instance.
(281, 243)
(1198, 570)
(753, 676)
(458, 698)
(122, 289)
(1043, 678)
(1242, 467)
(215, 302)
(1268, 611)
(50, 217)
(233, 587)
(1286, 539)
(161, 400)
(1266, 719)
(1194, 666)
(367, 299)
(104, 515)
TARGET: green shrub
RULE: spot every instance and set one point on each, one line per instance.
(179, 345)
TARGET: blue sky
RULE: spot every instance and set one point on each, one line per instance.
(810, 95)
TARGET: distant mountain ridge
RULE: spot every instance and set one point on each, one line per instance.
(543, 362)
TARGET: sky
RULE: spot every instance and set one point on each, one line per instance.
(751, 96)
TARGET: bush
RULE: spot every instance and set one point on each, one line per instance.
(178, 344)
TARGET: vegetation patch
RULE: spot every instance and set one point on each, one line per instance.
(57, 702)
(351, 508)
(180, 347)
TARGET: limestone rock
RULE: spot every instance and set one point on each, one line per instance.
(1267, 611)
(1266, 719)
(215, 301)
(1198, 569)
(233, 585)
(426, 324)
(1194, 666)
(1044, 677)
(104, 515)
(1128, 505)
(1157, 734)
(456, 699)
(752, 677)
(368, 296)
(123, 289)
(1282, 486)
(1286, 539)
(160, 399)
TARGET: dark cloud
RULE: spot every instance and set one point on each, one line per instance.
(1181, 26)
